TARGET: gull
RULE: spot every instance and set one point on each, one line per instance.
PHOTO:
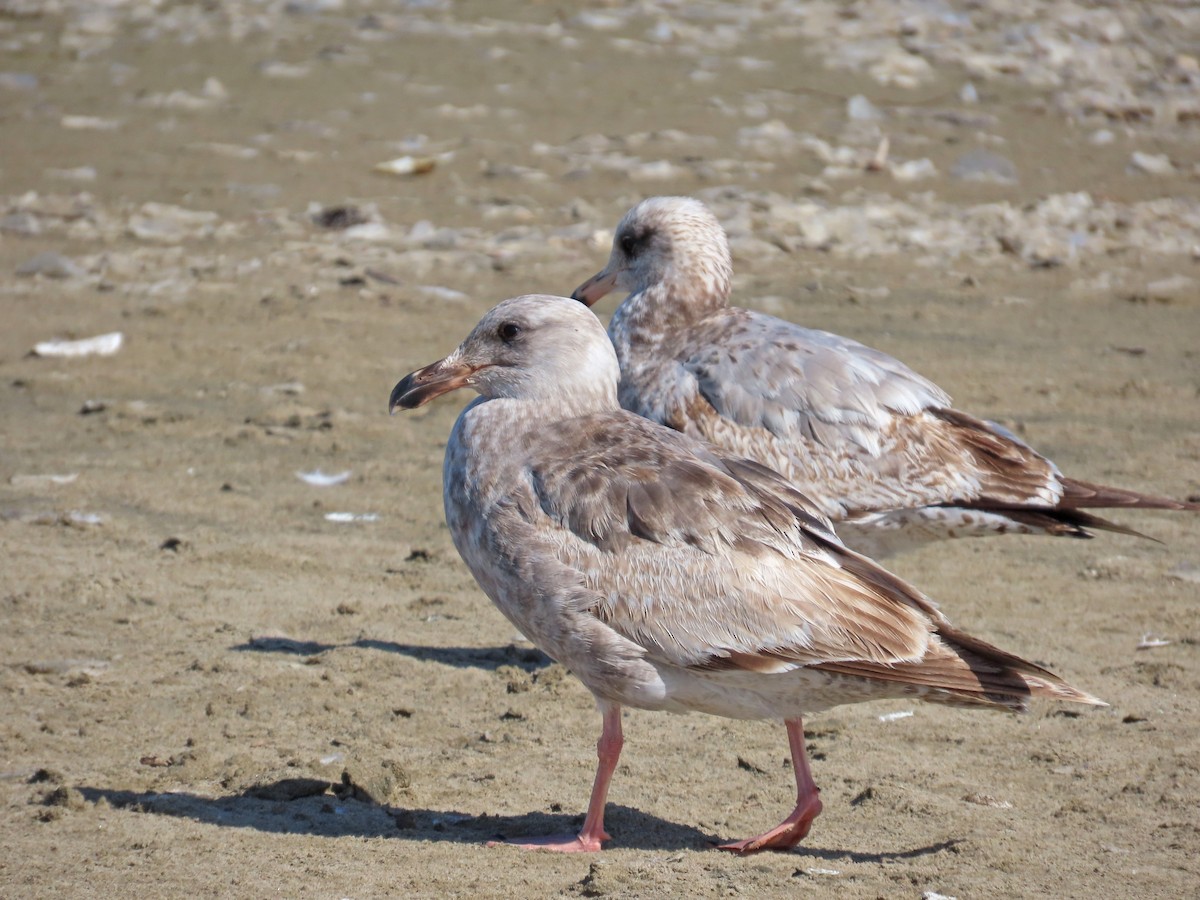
(666, 577)
(881, 449)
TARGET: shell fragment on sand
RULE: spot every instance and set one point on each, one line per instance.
(41, 480)
(317, 478)
(101, 345)
(349, 517)
(411, 165)
(1150, 642)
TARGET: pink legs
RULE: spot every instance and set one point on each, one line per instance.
(783, 836)
(608, 749)
(793, 829)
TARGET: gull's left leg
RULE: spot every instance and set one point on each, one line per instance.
(792, 830)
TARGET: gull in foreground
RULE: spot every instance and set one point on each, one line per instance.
(879, 448)
(665, 577)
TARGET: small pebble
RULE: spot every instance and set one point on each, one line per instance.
(18, 81)
(317, 478)
(984, 165)
(51, 265)
(860, 109)
(1151, 163)
(1177, 287)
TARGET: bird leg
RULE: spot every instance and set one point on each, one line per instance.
(589, 839)
(792, 830)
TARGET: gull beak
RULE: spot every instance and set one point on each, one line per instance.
(421, 386)
(596, 287)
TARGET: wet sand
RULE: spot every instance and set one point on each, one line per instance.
(212, 688)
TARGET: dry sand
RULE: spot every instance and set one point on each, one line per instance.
(212, 689)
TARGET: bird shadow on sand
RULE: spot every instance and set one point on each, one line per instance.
(489, 658)
(266, 808)
(306, 806)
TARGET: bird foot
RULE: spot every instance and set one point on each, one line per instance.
(785, 835)
(558, 843)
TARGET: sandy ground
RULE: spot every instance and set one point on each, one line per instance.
(212, 689)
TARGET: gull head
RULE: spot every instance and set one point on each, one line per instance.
(534, 347)
(675, 242)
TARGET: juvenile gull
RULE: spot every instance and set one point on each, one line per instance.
(666, 577)
(879, 448)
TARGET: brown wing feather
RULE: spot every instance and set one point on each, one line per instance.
(722, 565)
(1009, 472)
(705, 558)
(1085, 495)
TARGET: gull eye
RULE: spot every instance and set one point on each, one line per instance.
(629, 244)
(508, 332)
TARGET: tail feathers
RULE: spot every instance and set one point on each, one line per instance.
(997, 669)
(961, 670)
(1070, 523)
(1086, 495)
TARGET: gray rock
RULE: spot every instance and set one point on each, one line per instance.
(51, 265)
(18, 81)
(984, 165)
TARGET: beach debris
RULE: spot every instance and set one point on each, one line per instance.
(347, 517)
(987, 800)
(1150, 642)
(78, 173)
(22, 223)
(92, 667)
(51, 265)
(41, 480)
(658, 170)
(984, 165)
(878, 161)
(277, 69)
(317, 478)
(1176, 287)
(913, 170)
(228, 151)
(18, 81)
(900, 68)
(860, 109)
(164, 223)
(370, 231)
(89, 123)
(817, 872)
(439, 292)
(210, 95)
(100, 345)
(1186, 571)
(1151, 163)
(337, 218)
(408, 165)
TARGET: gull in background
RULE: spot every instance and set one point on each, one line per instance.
(880, 449)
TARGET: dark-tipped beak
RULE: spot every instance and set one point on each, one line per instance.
(435, 379)
(595, 287)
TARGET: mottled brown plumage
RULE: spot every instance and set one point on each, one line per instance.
(667, 577)
(878, 448)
